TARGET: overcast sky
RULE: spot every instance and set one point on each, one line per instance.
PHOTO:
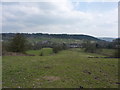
(98, 19)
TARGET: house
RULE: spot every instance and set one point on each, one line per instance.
(74, 45)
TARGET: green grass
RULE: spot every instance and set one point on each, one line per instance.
(47, 51)
(66, 69)
(108, 52)
(44, 51)
(34, 52)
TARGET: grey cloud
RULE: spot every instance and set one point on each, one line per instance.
(48, 17)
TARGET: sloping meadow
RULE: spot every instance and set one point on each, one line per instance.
(66, 69)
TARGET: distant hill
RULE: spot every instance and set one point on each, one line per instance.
(107, 39)
(7, 36)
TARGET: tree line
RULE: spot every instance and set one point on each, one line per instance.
(20, 44)
(7, 36)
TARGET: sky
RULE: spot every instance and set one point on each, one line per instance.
(99, 19)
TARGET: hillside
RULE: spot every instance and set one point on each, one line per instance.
(7, 36)
(107, 39)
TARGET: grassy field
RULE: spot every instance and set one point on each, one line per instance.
(108, 52)
(44, 51)
(66, 69)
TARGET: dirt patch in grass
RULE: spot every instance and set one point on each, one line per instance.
(51, 78)
(87, 72)
(47, 67)
(96, 78)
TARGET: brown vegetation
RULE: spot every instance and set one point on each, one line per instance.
(15, 54)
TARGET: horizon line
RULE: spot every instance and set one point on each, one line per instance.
(61, 33)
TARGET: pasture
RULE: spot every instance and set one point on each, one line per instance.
(67, 69)
(44, 51)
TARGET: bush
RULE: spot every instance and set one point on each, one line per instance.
(18, 43)
(117, 53)
(41, 54)
(56, 49)
(90, 47)
(59, 47)
(5, 46)
(64, 46)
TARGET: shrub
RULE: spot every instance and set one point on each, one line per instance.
(18, 43)
(90, 47)
(41, 54)
(117, 53)
(56, 49)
